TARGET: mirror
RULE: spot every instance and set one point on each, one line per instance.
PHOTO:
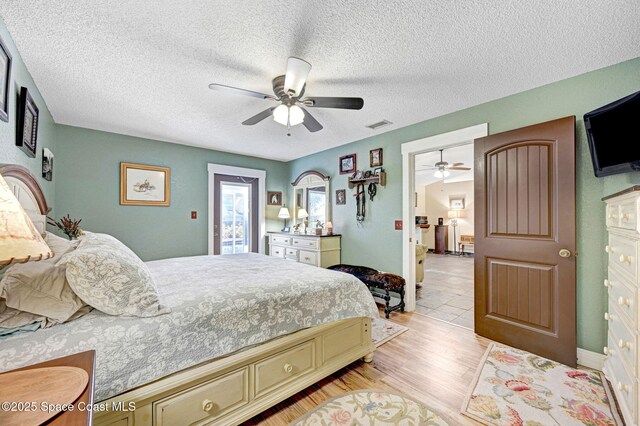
(311, 193)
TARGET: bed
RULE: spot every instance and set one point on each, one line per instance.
(245, 332)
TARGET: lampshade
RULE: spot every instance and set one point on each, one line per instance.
(284, 213)
(296, 76)
(288, 115)
(455, 214)
(302, 214)
(20, 241)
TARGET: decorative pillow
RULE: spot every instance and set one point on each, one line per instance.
(107, 275)
(40, 288)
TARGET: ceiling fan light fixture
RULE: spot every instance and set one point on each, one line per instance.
(438, 174)
(296, 115)
(296, 76)
(281, 114)
(446, 173)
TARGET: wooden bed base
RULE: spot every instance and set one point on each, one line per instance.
(230, 390)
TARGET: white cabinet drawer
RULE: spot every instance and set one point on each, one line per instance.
(623, 296)
(291, 253)
(282, 368)
(624, 385)
(277, 251)
(623, 255)
(310, 243)
(204, 403)
(308, 257)
(624, 338)
(283, 240)
(628, 215)
(613, 215)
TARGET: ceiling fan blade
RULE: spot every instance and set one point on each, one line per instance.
(237, 91)
(328, 102)
(311, 123)
(258, 117)
(296, 75)
(459, 168)
(457, 164)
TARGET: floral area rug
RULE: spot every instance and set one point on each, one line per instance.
(514, 387)
(371, 407)
(384, 330)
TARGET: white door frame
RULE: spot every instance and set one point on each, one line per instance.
(409, 151)
(220, 169)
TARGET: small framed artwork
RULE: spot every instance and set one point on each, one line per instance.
(341, 197)
(5, 81)
(456, 203)
(377, 170)
(143, 185)
(347, 164)
(47, 164)
(375, 157)
(274, 198)
(27, 131)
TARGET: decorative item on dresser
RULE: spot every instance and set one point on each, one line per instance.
(316, 250)
(622, 366)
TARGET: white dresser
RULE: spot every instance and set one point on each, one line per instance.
(323, 251)
(623, 278)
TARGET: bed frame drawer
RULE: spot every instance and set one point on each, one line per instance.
(284, 367)
(204, 403)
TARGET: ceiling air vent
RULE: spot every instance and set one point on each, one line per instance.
(379, 124)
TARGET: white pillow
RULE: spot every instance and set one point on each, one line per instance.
(107, 275)
(41, 287)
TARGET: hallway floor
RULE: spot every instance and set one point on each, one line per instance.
(447, 289)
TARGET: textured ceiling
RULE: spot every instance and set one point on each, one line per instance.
(458, 154)
(142, 67)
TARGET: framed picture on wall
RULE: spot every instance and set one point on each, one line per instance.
(47, 164)
(341, 197)
(456, 202)
(143, 185)
(274, 198)
(5, 81)
(27, 131)
(347, 164)
(375, 157)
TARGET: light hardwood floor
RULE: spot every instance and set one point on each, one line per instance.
(433, 361)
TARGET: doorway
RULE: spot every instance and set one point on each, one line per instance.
(444, 234)
(410, 151)
(235, 227)
(236, 210)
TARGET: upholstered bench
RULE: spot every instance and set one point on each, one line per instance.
(380, 284)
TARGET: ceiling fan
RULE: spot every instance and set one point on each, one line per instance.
(289, 90)
(442, 167)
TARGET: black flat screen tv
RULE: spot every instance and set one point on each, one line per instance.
(614, 136)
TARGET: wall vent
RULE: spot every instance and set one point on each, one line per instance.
(379, 124)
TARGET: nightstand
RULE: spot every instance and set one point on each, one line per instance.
(78, 416)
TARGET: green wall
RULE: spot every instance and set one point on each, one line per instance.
(377, 244)
(88, 187)
(9, 152)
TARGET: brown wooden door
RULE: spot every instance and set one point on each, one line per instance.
(525, 290)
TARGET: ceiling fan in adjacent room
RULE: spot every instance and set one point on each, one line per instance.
(289, 90)
(442, 167)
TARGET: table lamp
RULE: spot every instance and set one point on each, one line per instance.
(302, 214)
(284, 214)
(20, 241)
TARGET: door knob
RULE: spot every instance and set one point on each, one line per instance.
(564, 253)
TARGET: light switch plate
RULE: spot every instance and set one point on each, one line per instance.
(194, 214)
(398, 225)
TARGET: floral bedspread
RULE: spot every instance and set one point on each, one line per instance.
(219, 305)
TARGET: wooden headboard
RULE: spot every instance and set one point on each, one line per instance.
(28, 191)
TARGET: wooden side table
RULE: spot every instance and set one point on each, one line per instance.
(77, 417)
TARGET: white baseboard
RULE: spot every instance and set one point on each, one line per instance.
(591, 359)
